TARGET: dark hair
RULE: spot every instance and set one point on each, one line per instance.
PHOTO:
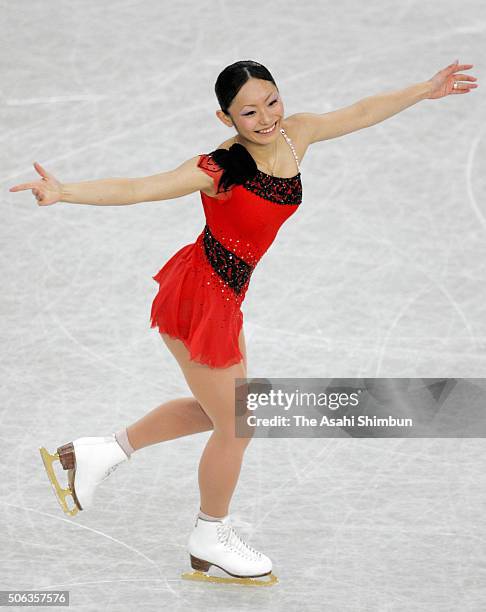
(237, 162)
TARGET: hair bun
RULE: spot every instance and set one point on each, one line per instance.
(237, 163)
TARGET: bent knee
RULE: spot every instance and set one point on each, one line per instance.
(227, 436)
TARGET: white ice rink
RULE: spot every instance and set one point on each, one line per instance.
(380, 273)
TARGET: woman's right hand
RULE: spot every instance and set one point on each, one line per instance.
(47, 191)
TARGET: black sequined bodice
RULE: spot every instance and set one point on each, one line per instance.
(277, 189)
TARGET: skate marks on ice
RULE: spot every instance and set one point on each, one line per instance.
(65, 455)
(159, 578)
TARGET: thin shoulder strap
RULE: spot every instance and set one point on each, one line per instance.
(291, 146)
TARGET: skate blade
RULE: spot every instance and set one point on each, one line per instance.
(60, 493)
(203, 577)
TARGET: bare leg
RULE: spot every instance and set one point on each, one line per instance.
(221, 460)
(172, 419)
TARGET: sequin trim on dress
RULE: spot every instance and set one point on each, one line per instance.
(231, 268)
(277, 189)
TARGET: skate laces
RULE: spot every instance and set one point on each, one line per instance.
(232, 539)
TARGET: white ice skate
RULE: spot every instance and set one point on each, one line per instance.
(216, 543)
(88, 462)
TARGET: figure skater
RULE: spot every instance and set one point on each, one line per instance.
(250, 185)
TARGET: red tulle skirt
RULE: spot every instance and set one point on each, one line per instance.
(195, 306)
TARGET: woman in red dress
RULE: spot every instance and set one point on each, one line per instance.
(250, 185)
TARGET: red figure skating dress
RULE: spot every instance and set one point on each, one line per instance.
(203, 285)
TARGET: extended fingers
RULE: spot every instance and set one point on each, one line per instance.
(456, 67)
(40, 169)
(463, 83)
(459, 66)
(23, 186)
(464, 77)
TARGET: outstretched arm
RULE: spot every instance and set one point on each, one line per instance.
(384, 105)
(381, 106)
(373, 109)
(186, 178)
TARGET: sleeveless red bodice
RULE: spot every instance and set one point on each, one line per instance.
(203, 285)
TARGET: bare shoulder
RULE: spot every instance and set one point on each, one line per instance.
(298, 132)
(316, 127)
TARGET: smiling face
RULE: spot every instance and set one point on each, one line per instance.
(257, 106)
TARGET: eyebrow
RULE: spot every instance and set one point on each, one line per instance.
(254, 104)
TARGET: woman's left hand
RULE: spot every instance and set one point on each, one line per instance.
(442, 83)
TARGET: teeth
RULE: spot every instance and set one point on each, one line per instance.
(266, 131)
